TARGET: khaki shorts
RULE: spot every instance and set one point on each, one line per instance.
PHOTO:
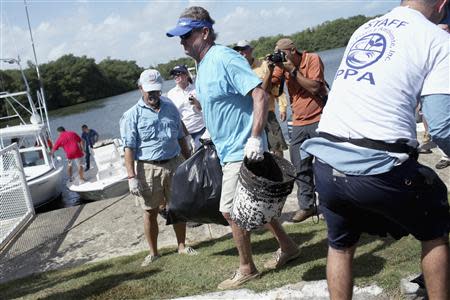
(156, 182)
(229, 183)
(79, 161)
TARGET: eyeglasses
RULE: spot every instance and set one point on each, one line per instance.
(186, 35)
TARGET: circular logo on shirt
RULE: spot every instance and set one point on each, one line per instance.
(366, 51)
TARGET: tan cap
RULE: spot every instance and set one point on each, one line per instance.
(285, 44)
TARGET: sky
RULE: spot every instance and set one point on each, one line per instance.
(135, 30)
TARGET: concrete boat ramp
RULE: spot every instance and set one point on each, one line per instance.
(111, 228)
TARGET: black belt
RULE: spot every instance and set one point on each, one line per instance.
(155, 162)
(399, 146)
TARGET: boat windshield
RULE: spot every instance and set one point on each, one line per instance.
(31, 152)
(32, 158)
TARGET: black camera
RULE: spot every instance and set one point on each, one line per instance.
(277, 57)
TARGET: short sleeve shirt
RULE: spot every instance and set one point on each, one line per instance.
(261, 68)
(152, 135)
(306, 108)
(224, 81)
(389, 63)
(69, 140)
(191, 118)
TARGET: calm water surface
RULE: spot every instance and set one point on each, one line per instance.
(103, 115)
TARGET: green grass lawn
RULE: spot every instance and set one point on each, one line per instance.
(383, 262)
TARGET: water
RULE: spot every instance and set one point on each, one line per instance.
(103, 115)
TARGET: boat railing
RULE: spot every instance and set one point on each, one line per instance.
(37, 110)
(16, 207)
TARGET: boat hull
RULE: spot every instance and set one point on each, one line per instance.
(47, 187)
(117, 189)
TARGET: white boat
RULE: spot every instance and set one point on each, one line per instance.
(108, 177)
(44, 173)
(27, 124)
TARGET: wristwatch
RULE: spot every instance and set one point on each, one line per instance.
(294, 72)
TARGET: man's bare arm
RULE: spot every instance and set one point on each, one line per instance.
(259, 110)
(129, 162)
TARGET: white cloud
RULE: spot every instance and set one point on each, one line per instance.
(136, 30)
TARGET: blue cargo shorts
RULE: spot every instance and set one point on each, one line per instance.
(409, 199)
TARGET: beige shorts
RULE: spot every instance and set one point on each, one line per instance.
(156, 182)
(229, 183)
(79, 161)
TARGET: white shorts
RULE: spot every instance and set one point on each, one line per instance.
(79, 161)
(229, 183)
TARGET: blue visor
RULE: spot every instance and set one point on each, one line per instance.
(184, 25)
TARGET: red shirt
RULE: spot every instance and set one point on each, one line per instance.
(69, 140)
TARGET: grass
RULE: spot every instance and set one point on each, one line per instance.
(383, 262)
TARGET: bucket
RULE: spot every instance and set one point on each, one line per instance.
(261, 191)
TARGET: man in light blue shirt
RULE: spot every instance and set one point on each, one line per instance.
(153, 136)
(235, 112)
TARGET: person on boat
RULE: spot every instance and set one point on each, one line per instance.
(73, 147)
(264, 69)
(366, 170)
(304, 75)
(184, 97)
(90, 137)
(153, 137)
(235, 110)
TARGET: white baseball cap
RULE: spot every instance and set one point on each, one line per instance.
(243, 44)
(151, 80)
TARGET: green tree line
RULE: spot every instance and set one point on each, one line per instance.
(71, 79)
(328, 35)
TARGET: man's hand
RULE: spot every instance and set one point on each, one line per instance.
(288, 66)
(194, 101)
(135, 186)
(270, 64)
(253, 149)
(282, 116)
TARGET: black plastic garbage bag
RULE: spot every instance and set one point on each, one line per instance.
(196, 189)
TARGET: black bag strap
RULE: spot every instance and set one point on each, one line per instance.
(398, 147)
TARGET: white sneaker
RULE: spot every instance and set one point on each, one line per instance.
(188, 251)
(81, 181)
(149, 259)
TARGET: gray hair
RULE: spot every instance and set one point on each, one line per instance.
(426, 2)
(199, 13)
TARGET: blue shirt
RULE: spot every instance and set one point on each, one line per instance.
(223, 84)
(436, 109)
(90, 138)
(353, 160)
(152, 135)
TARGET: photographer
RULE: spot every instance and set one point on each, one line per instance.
(264, 69)
(304, 77)
(184, 97)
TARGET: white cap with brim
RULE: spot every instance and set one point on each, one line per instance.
(242, 44)
(151, 80)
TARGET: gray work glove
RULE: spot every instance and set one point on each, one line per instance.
(135, 186)
(253, 149)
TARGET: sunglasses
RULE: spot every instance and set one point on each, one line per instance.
(154, 94)
(186, 35)
(177, 74)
